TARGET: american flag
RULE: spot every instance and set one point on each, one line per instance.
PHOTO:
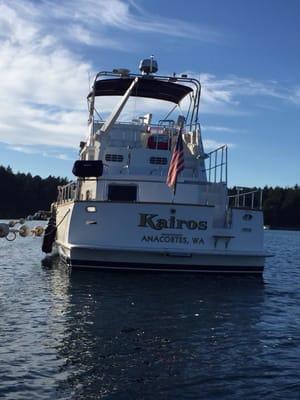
(176, 164)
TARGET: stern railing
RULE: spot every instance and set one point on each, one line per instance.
(243, 198)
(67, 193)
(216, 165)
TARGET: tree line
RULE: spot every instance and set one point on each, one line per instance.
(281, 206)
(24, 194)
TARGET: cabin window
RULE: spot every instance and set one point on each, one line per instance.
(122, 192)
(159, 141)
(114, 157)
(159, 160)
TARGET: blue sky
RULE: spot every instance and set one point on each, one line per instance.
(247, 55)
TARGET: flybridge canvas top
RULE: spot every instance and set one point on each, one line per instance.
(120, 82)
(146, 87)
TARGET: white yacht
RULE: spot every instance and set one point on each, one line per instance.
(147, 195)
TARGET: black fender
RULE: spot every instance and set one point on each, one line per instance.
(49, 236)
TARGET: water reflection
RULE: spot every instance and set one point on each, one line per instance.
(156, 335)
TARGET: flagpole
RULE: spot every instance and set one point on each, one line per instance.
(174, 188)
(174, 192)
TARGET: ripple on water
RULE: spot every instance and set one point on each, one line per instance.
(142, 336)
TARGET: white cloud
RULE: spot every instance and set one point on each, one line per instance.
(225, 96)
(63, 157)
(43, 85)
(215, 128)
(22, 149)
(44, 81)
(211, 144)
(81, 34)
(49, 153)
(98, 15)
(295, 95)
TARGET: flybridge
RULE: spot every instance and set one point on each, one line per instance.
(146, 87)
(149, 87)
(120, 82)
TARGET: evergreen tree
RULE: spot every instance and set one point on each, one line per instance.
(24, 194)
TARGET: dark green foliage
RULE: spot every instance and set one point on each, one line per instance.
(281, 206)
(24, 194)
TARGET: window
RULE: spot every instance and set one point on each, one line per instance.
(122, 192)
(114, 157)
(161, 142)
(159, 160)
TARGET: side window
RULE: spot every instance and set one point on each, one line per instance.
(122, 192)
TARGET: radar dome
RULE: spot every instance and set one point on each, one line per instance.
(148, 66)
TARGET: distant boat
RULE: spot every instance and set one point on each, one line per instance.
(147, 196)
(40, 215)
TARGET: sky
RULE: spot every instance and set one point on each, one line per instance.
(246, 55)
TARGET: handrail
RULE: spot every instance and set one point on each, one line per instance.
(157, 129)
(67, 192)
(175, 126)
(251, 199)
(216, 171)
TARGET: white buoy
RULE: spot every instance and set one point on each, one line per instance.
(11, 236)
(24, 231)
(10, 230)
(38, 230)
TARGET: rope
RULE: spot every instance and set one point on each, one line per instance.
(49, 233)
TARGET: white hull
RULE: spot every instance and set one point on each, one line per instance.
(102, 245)
(136, 261)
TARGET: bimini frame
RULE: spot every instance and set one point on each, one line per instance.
(161, 87)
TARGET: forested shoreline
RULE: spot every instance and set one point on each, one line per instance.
(281, 206)
(24, 194)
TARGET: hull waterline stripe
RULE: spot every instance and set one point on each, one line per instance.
(163, 267)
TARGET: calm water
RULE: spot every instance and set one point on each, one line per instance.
(141, 336)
